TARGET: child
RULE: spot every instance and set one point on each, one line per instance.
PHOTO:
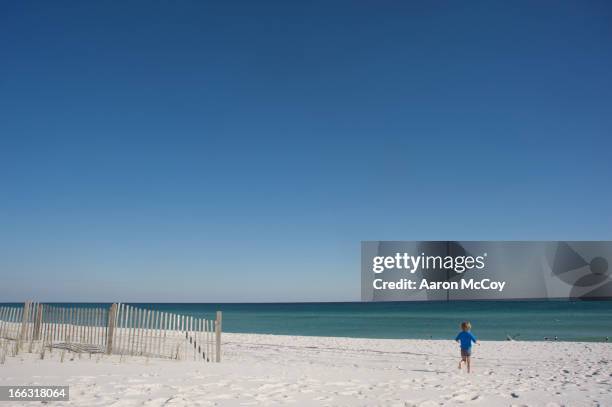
(465, 338)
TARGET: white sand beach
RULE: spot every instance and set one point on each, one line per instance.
(304, 371)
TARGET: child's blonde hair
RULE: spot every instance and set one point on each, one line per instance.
(466, 326)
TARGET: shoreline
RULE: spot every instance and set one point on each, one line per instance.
(517, 339)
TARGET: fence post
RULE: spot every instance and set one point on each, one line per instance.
(25, 318)
(218, 335)
(38, 323)
(111, 329)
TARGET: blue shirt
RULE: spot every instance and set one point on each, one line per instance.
(466, 338)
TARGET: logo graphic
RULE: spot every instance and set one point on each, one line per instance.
(587, 274)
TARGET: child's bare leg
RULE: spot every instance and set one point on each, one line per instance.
(467, 362)
(461, 361)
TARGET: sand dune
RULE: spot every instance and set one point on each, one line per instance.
(273, 370)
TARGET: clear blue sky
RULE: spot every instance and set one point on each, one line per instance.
(240, 151)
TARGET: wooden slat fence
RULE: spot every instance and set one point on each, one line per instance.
(148, 332)
(120, 329)
(10, 322)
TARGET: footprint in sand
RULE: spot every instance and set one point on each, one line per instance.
(268, 386)
(461, 397)
(323, 398)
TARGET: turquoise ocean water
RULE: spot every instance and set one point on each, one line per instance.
(493, 320)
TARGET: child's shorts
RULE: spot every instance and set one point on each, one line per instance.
(466, 352)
